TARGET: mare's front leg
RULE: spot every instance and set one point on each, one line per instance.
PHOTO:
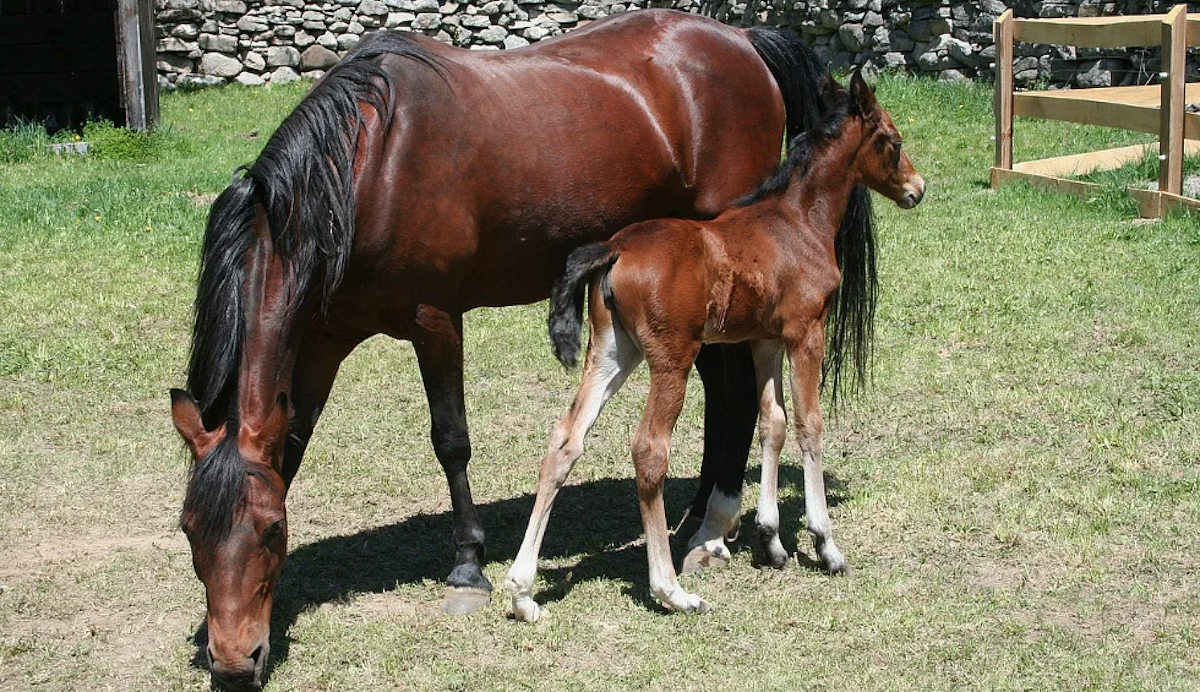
(772, 433)
(611, 356)
(437, 340)
(727, 372)
(317, 362)
(806, 352)
(651, 449)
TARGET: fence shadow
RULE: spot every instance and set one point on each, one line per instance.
(597, 519)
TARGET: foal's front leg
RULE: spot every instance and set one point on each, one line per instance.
(772, 433)
(651, 449)
(806, 354)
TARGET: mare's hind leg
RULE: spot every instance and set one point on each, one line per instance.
(651, 449)
(729, 411)
(806, 353)
(437, 340)
(611, 356)
(772, 433)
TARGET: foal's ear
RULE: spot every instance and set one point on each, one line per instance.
(185, 413)
(862, 94)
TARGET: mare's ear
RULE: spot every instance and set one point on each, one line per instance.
(185, 413)
(862, 94)
(829, 88)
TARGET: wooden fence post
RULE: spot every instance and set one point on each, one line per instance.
(1002, 32)
(1172, 77)
(139, 77)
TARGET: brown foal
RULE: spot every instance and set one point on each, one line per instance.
(764, 273)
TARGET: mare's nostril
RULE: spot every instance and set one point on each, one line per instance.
(256, 654)
(208, 650)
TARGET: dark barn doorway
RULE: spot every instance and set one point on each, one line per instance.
(64, 62)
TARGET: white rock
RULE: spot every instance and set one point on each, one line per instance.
(284, 75)
(283, 55)
(249, 79)
(219, 65)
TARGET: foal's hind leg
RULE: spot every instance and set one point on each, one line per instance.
(651, 449)
(438, 344)
(772, 433)
(611, 356)
(806, 353)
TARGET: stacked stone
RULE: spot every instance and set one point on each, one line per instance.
(204, 42)
(254, 42)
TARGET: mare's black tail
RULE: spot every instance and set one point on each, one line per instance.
(566, 301)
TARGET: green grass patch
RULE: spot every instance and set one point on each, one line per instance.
(1018, 493)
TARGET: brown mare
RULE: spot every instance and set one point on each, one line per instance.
(766, 273)
(415, 182)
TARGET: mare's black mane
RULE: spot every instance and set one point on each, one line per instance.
(303, 183)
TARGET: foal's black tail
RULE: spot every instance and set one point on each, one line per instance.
(805, 84)
(566, 301)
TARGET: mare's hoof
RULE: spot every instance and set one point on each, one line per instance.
(461, 600)
(699, 558)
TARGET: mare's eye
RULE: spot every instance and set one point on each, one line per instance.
(273, 531)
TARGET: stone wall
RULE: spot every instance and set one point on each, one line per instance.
(208, 42)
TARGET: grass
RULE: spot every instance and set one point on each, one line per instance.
(1019, 493)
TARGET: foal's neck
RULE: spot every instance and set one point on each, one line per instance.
(816, 198)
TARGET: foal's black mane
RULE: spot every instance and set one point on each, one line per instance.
(850, 324)
(303, 182)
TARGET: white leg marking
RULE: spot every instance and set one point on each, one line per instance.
(721, 516)
(772, 433)
(611, 356)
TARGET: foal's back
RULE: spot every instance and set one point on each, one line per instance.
(727, 280)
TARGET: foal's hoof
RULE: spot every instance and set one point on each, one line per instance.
(774, 554)
(833, 560)
(461, 600)
(525, 609)
(680, 601)
(699, 558)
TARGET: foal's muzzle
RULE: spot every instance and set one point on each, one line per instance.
(913, 192)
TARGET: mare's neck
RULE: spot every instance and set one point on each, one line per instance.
(268, 351)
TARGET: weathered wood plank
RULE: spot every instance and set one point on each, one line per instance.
(1089, 162)
(139, 81)
(1092, 32)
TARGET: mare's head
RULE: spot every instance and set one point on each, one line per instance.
(881, 163)
(235, 520)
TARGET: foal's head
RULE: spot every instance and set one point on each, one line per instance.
(235, 520)
(880, 163)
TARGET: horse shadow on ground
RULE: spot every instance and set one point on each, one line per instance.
(598, 519)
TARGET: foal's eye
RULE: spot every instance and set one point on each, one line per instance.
(896, 151)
